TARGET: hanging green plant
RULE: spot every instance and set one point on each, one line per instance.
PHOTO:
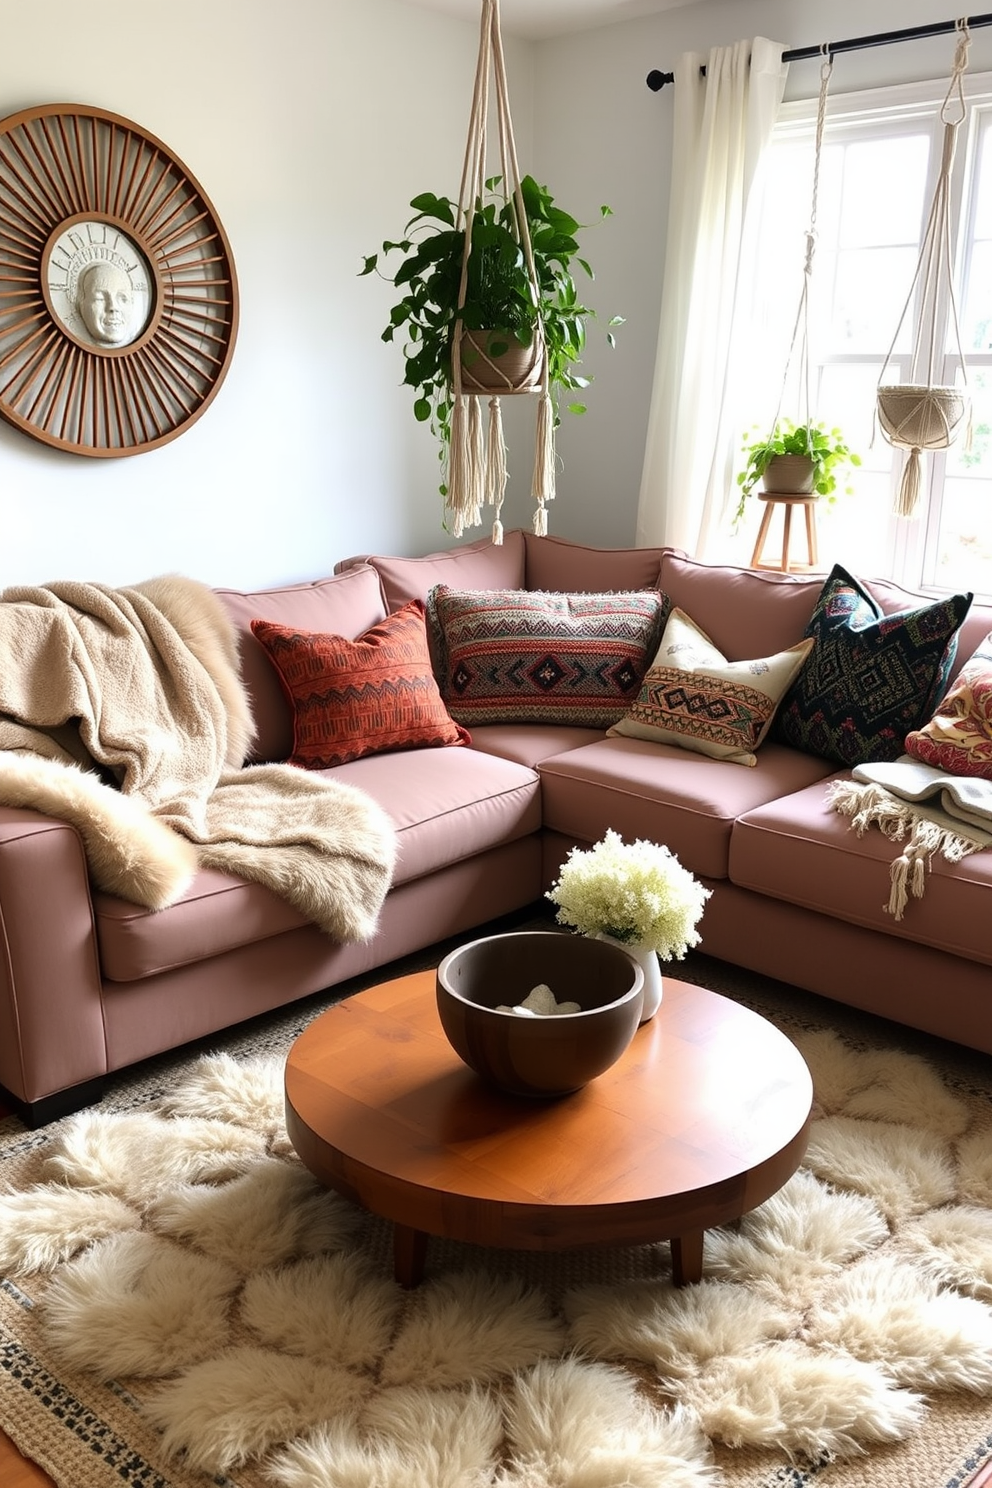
(499, 297)
(827, 451)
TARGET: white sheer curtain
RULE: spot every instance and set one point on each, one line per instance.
(722, 124)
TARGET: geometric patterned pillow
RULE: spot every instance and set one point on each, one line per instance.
(532, 656)
(871, 678)
(352, 698)
(958, 738)
(693, 697)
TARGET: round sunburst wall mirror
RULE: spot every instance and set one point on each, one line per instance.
(118, 294)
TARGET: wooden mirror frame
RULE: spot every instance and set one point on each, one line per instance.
(79, 185)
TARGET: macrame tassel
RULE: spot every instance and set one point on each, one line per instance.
(477, 464)
(909, 487)
(459, 460)
(496, 467)
(543, 488)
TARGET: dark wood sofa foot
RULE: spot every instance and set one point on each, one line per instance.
(53, 1107)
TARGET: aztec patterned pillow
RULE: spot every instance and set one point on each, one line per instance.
(531, 656)
(871, 678)
(693, 697)
(958, 738)
(352, 698)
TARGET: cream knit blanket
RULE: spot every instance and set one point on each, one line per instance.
(925, 810)
(122, 711)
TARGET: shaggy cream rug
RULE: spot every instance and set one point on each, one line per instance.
(183, 1305)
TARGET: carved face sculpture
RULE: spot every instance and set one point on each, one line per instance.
(104, 302)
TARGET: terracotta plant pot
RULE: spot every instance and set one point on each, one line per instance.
(487, 367)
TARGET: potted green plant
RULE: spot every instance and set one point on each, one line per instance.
(796, 459)
(499, 296)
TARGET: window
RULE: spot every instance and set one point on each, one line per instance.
(878, 168)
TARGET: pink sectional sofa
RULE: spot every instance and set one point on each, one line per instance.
(90, 984)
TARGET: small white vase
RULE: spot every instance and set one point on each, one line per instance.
(651, 967)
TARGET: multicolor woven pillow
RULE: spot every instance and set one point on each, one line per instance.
(871, 678)
(958, 738)
(693, 697)
(352, 698)
(531, 656)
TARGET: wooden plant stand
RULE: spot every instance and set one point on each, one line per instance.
(788, 503)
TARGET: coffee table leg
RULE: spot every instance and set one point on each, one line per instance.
(687, 1258)
(409, 1255)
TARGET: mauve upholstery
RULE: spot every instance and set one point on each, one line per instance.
(476, 565)
(798, 849)
(686, 800)
(531, 743)
(447, 804)
(90, 984)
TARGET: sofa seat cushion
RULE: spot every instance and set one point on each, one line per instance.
(447, 804)
(530, 743)
(217, 913)
(800, 850)
(684, 800)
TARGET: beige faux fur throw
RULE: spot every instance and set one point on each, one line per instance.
(122, 711)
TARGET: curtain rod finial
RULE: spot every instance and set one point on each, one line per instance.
(656, 80)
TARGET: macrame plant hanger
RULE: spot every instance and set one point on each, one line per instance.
(800, 330)
(916, 416)
(477, 471)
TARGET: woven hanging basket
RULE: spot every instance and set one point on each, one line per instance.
(916, 419)
(490, 365)
(914, 416)
(922, 418)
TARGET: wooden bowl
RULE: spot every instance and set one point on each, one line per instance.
(541, 1055)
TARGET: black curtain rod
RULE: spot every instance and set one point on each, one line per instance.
(656, 80)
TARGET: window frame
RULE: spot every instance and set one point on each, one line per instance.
(912, 545)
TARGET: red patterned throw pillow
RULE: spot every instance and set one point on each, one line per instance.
(529, 656)
(352, 698)
(958, 738)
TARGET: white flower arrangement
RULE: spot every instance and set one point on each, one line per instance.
(637, 892)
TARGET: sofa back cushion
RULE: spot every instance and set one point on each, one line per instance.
(346, 604)
(744, 612)
(553, 563)
(747, 612)
(476, 565)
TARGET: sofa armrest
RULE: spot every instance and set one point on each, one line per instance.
(51, 1005)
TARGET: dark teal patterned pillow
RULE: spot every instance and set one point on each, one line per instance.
(870, 678)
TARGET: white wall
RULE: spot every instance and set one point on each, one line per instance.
(310, 124)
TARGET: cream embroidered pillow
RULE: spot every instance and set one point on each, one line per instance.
(692, 696)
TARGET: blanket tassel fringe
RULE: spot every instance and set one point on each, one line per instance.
(871, 805)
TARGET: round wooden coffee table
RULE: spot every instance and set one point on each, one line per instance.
(703, 1118)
